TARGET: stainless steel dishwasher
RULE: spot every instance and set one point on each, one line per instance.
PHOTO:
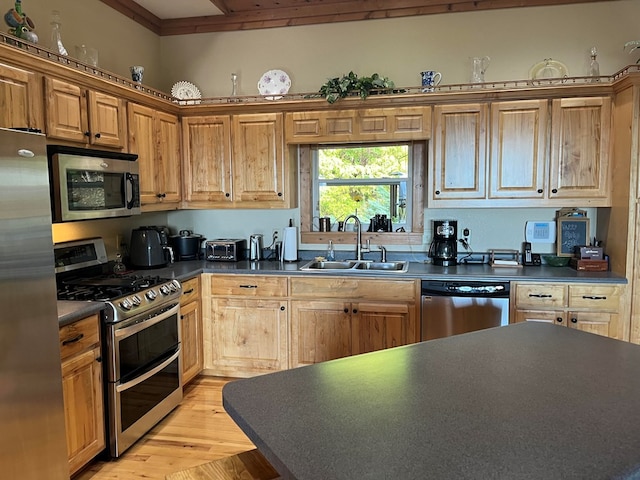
(454, 307)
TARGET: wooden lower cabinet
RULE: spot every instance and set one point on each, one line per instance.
(82, 388)
(246, 320)
(191, 330)
(355, 316)
(589, 307)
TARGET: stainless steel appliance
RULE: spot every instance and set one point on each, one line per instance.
(454, 307)
(256, 246)
(149, 247)
(444, 246)
(141, 338)
(33, 445)
(226, 249)
(89, 184)
(186, 245)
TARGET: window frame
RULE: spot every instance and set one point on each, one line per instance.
(308, 236)
(316, 182)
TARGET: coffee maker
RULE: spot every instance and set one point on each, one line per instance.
(444, 247)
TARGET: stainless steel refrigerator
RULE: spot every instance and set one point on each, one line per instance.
(32, 428)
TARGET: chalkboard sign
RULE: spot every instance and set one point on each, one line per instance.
(572, 232)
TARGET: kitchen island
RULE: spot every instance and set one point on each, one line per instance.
(524, 401)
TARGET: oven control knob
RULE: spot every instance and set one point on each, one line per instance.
(151, 295)
(136, 300)
(164, 289)
(174, 285)
(126, 304)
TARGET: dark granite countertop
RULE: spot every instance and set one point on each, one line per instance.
(69, 312)
(478, 272)
(525, 401)
(72, 311)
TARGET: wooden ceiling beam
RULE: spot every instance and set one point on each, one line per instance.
(247, 15)
(141, 15)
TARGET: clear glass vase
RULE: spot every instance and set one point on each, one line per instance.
(56, 38)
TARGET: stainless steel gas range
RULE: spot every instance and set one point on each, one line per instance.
(140, 337)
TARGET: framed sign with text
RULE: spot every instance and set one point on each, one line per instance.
(571, 232)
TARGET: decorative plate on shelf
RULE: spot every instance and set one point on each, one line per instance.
(274, 82)
(186, 91)
(548, 69)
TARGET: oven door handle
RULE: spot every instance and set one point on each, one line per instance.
(136, 327)
(148, 374)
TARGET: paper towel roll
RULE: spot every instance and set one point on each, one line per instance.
(290, 244)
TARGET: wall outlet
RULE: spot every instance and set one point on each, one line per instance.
(275, 236)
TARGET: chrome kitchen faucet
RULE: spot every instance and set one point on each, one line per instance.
(359, 247)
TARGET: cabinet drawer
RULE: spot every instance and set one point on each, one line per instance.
(540, 295)
(249, 285)
(190, 290)
(79, 336)
(354, 288)
(595, 297)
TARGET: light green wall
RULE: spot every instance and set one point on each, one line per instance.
(515, 39)
(121, 42)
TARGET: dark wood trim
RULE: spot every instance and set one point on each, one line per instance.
(312, 13)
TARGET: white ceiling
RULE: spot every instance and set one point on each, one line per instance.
(166, 9)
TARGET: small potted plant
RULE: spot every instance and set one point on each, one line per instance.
(340, 87)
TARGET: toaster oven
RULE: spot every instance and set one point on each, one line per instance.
(226, 250)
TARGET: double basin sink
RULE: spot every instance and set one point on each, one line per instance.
(355, 266)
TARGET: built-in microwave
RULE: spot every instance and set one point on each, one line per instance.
(90, 184)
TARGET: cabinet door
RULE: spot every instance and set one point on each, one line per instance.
(207, 159)
(21, 98)
(66, 111)
(141, 142)
(599, 323)
(167, 132)
(320, 330)
(191, 329)
(258, 159)
(84, 407)
(106, 120)
(250, 336)
(458, 163)
(378, 326)
(580, 130)
(519, 149)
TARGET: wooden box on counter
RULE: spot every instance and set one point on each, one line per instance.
(589, 265)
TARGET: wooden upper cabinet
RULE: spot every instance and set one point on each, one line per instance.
(80, 115)
(155, 137)
(207, 160)
(458, 162)
(580, 135)
(372, 124)
(518, 152)
(259, 160)
(21, 98)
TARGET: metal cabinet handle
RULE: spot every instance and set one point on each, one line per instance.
(282, 308)
(355, 310)
(186, 292)
(540, 295)
(592, 297)
(540, 190)
(87, 134)
(559, 319)
(248, 286)
(346, 310)
(574, 320)
(75, 339)
(98, 135)
(554, 190)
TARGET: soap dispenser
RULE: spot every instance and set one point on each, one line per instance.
(331, 255)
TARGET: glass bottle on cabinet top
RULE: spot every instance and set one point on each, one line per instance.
(56, 37)
(594, 66)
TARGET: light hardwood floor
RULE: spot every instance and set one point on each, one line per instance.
(196, 432)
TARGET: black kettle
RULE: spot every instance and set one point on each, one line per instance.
(149, 247)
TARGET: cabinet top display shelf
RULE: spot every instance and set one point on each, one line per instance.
(401, 93)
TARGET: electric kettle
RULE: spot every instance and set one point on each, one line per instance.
(255, 247)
